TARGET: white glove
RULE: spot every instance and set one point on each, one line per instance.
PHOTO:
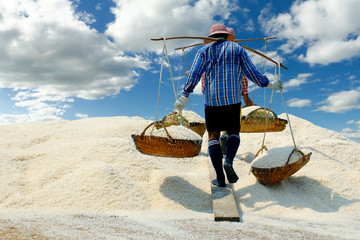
(181, 103)
(275, 85)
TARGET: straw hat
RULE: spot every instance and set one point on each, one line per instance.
(231, 31)
(218, 28)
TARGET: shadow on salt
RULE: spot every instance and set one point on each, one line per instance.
(295, 192)
(184, 193)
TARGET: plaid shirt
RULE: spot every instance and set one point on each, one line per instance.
(224, 64)
(244, 90)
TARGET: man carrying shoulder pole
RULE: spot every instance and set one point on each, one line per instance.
(224, 64)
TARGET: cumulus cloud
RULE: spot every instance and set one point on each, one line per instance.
(138, 21)
(300, 79)
(329, 29)
(341, 102)
(81, 115)
(47, 48)
(297, 102)
(351, 133)
(39, 107)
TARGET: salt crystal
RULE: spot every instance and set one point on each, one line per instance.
(177, 132)
(276, 157)
(246, 110)
(192, 116)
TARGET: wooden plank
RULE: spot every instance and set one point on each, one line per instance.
(224, 205)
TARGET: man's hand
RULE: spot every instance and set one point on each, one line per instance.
(275, 85)
(181, 103)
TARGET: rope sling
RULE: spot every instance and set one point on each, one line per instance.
(277, 77)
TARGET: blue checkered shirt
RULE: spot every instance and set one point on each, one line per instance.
(224, 64)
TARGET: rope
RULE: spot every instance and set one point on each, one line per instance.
(287, 116)
(172, 78)
(160, 80)
(183, 55)
(180, 68)
(266, 116)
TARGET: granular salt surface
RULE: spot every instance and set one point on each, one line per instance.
(192, 116)
(276, 157)
(85, 179)
(246, 110)
(177, 132)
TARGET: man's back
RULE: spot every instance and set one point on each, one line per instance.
(223, 63)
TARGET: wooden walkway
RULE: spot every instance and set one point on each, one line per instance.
(224, 204)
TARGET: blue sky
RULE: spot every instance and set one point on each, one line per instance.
(63, 59)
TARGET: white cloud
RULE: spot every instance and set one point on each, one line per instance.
(263, 64)
(352, 134)
(358, 123)
(341, 102)
(138, 21)
(350, 122)
(328, 28)
(81, 115)
(347, 130)
(46, 47)
(38, 107)
(197, 89)
(98, 7)
(53, 51)
(301, 78)
(296, 102)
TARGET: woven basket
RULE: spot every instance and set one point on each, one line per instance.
(261, 120)
(174, 118)
(166, 147)
(268, 176)
(199, 128)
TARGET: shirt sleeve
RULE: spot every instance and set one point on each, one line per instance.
(250, 71)
(194, 75)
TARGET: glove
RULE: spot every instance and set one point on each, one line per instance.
(275, 85)
(181, 103)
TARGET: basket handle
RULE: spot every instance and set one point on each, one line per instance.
(297, 150)
(157, 122)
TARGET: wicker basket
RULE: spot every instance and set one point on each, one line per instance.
(166, 147)
(199, 128)
(174, 118)
(261, 120)
(268, 176)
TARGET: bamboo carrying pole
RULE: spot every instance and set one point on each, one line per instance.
(215, 39)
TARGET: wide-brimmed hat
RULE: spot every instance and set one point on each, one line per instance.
(231, 31)
(218, 28)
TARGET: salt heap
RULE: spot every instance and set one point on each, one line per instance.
(92, 183)
(276, 157)
(246, 110)
(177, 132)
(192, 116)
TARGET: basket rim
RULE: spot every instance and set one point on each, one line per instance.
(307, 156)
(167, 139)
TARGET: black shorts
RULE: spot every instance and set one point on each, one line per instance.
(223, 118)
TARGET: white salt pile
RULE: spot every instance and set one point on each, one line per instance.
(192, 116)
(276, 157)
(177, 132)
(246, 110)
(85, 179)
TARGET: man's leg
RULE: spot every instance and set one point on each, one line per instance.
(216, 155)
(232, 145)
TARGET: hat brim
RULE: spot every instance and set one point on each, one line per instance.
(217, 32)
